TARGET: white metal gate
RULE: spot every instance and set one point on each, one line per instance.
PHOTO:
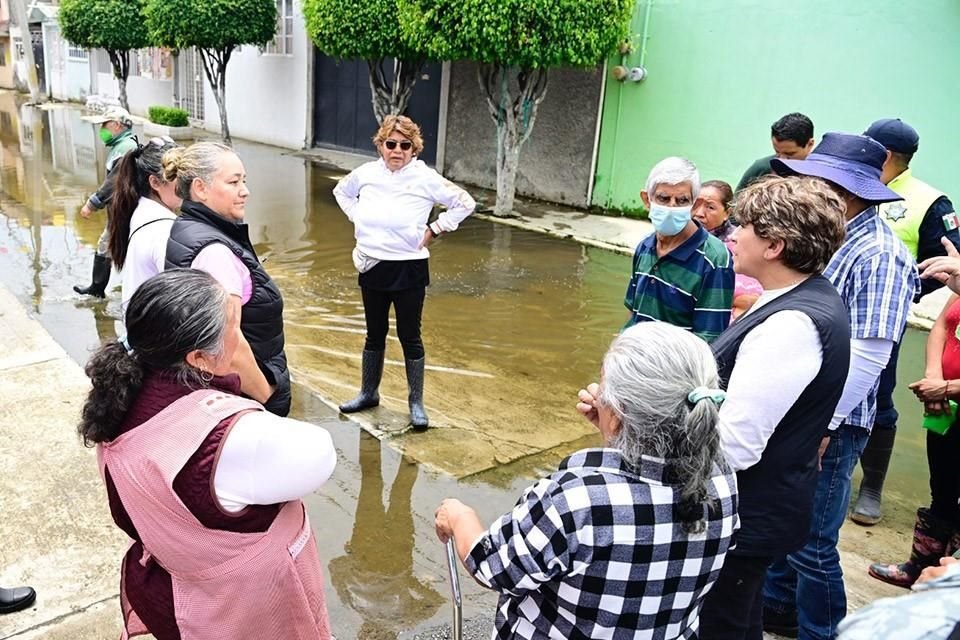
(192, 80)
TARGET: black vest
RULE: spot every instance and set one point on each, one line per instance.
(261, 319)
(776, 494)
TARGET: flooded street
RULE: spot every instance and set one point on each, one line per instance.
(515, 322)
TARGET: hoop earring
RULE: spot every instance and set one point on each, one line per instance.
(206, 376)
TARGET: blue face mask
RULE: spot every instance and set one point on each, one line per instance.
(669, 221)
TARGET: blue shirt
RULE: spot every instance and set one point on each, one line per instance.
(877, 278)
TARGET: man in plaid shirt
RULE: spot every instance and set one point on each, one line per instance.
(876, 276)
(608, 546)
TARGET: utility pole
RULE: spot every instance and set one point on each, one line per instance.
(18, 11)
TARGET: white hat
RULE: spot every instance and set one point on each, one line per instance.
(115, 114)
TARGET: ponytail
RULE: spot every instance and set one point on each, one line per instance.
(697, 449)
(127, 189)
(661, 382)
(117, 376)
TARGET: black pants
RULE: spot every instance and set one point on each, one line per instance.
(733, 609)
(942, 454)
(408, 305)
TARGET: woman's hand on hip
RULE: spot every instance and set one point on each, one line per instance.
(427, 239)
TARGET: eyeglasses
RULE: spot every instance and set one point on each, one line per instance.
(405, 145)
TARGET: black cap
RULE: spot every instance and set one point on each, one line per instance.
(894, 134)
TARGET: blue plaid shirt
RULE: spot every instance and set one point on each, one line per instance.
(877, 277)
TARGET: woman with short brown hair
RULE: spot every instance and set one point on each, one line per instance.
(389, 202)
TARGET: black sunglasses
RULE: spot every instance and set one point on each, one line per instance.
(406, 145)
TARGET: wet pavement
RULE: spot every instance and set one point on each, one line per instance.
(515, 322)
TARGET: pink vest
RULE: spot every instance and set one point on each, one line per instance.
(255, 586)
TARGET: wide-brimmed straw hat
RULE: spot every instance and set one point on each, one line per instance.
(850, 161)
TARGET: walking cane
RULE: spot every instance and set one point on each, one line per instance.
(455, 588)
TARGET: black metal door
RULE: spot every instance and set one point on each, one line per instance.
(343, 115)
(36, 41)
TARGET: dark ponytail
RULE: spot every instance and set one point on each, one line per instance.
(116, 377)
(131, 182)
(171, 315)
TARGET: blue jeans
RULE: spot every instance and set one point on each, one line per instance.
(810, 580)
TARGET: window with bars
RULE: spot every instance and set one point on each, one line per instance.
(282, 43)
(76, 53)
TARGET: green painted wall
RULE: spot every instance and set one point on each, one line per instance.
(720, 72)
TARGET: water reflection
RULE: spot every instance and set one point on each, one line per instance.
(375, 575)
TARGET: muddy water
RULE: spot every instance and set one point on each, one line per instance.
(514, 324)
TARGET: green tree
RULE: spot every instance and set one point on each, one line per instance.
(368, 30)
(116, 26)
(215, 28)
(516, 42)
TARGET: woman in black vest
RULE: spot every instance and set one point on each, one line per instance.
(783, 364)
(210, 235)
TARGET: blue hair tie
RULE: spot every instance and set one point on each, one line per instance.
(717, 396)
(126, 344)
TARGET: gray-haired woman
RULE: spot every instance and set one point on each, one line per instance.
(622, 541)
(206, 483)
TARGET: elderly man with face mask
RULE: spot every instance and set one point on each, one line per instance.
(681, 274)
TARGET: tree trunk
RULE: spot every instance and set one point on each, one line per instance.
(18, 11)
(392, 97)
(514, 116)
(215, 68)
(120, 61)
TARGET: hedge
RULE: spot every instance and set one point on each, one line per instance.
(169, 116)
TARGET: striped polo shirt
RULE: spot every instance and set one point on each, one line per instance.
(691, 287)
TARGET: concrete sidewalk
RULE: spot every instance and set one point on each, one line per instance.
(56, 529)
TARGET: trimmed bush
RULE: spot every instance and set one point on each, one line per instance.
(169, 116)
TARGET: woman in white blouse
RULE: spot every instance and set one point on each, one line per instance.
(389, 202)
(141, 214)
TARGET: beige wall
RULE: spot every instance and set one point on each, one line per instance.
(6, 71)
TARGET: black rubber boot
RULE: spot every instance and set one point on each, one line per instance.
(875, 460)
(930, 541)
(101, 276)
(371, 371)
(418, 415)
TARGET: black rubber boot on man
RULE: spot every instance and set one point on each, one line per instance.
(418, 414)
(101, 276)
(875, 460)
(371, 371)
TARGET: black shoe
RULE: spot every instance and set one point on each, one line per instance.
(16, 599)
(782, 624)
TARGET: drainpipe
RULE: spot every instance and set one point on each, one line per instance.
(596, 137)
(643, 56)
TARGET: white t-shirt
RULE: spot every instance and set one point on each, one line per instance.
(759, 394)
(149, 231)
(390, 209)
(266, 459)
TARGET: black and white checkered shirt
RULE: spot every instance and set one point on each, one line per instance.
(595, 551)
